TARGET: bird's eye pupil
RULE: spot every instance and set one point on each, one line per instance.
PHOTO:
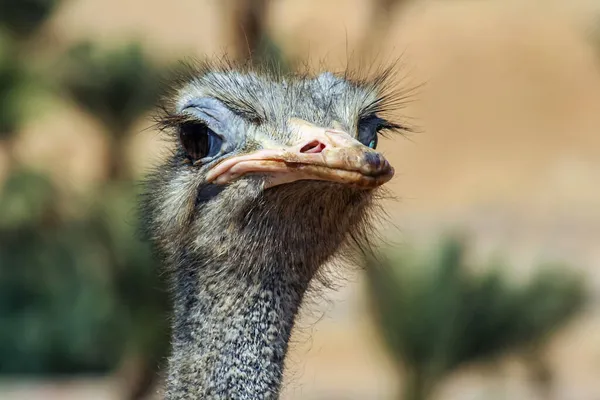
(195, 139)
(373, 144)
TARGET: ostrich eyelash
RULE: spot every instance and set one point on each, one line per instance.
(167, 120)
(384, 126)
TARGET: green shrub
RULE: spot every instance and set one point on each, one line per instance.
(436, 315)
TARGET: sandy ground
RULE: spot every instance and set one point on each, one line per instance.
(508, 148)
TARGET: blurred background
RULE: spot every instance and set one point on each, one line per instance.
(486, 286)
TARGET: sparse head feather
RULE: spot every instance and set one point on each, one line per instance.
(263, 93)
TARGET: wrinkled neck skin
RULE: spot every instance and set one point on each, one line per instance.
(230, 334)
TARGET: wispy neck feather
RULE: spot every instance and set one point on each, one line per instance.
(230, 336)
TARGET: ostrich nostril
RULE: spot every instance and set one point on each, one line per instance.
(313, 147)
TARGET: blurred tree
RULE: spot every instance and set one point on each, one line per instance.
(79, 293)
(57, 303)
(20, 20)
(15, 79)
(12, 80)
(382, 16)
(249, 26)
(115, 87)
(139, 289)
(435, 315)
(251, 38)
(23, 18)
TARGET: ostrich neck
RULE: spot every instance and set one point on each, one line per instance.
(230, 334)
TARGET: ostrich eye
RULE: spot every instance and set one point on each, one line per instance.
(198, 140)
(367, 131)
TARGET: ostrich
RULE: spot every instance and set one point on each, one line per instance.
(270, 177)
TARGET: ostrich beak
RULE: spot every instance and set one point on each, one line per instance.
(319, 154)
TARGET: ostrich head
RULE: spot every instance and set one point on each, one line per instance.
(270, 176)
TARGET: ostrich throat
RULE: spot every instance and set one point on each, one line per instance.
(231, 333)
